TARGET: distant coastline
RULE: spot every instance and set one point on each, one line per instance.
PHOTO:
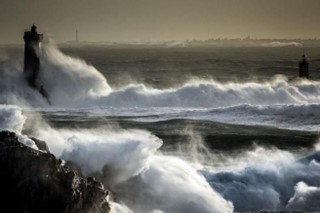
(237, 42)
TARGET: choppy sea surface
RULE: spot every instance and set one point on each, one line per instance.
(177, 129)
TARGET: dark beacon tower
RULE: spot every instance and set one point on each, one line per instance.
(31, 60)
(304, 67)
(32, 41)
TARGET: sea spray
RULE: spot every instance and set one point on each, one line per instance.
(259, 178)
(172, 185)
(69, 80)
(193, 149)
(14, 89)
(128, 162)
(12, 119)
(268, 179)
(305, 198)
(119, 208)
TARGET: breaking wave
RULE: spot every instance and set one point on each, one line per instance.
(15, 90)
(70, 80)
(130, 164)
(282, 44)
(71, 83)
(269, 179)
(12, 119)
(215, 94)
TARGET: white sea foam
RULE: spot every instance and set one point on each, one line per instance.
(119, 208)
(305, 198)
(282, 44)
(15, 90)
(269, 179)
(12, 119)
(70, 81)
(128, 162)
(215, 94)
(123, 158)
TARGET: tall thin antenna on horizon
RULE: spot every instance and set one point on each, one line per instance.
(77, 38)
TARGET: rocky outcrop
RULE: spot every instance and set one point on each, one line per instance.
(35, 181)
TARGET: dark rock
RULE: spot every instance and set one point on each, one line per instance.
(35, 181)
(41, 145)
(74, 167)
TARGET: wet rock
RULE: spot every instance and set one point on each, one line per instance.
(41, 145)
(35, 181)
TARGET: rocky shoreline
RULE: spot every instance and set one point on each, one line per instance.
(36, 181)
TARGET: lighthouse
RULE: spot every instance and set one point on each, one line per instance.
(32, 41)
(304, 67)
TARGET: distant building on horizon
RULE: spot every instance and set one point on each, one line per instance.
(304, 67)
(77, 35)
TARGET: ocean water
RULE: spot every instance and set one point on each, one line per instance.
(177, 129)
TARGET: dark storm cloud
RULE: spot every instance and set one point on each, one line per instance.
(144, 20)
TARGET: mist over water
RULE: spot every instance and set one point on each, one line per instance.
(192, 178)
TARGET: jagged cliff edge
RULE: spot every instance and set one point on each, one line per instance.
(35, 181)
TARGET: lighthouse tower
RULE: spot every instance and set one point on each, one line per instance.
(32, 40)
(31, 60)
(304, 67)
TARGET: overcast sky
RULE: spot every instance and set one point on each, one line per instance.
(152, 20)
